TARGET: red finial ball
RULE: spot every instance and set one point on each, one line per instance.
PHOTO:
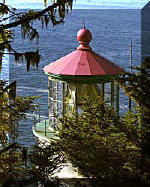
(84, 36)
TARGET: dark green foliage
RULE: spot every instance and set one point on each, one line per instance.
(3, 9)
(137, 86)
(12, 110)
(46, 159)
(103, 146)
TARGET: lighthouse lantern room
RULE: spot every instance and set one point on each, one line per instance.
(78, 74)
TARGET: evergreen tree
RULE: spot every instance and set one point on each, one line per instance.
(104, 147)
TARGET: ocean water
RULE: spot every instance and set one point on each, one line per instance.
(112, 32)
(86, 4)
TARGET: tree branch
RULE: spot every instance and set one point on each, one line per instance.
(30, 17)
(10, 146)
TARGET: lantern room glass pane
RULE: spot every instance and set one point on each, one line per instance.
(66, 98)
(55, 102)
(89, 90)
(70, 99)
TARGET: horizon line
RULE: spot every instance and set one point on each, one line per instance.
(82, 6)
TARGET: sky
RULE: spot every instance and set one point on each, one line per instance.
(83, 4)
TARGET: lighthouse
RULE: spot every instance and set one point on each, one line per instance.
(74, 76)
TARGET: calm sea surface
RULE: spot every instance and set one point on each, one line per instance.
(112, 32)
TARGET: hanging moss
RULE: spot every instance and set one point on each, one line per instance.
(32, 58)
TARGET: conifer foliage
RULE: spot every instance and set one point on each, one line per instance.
(103, 146)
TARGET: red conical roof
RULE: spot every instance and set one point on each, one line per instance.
(83, 61)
